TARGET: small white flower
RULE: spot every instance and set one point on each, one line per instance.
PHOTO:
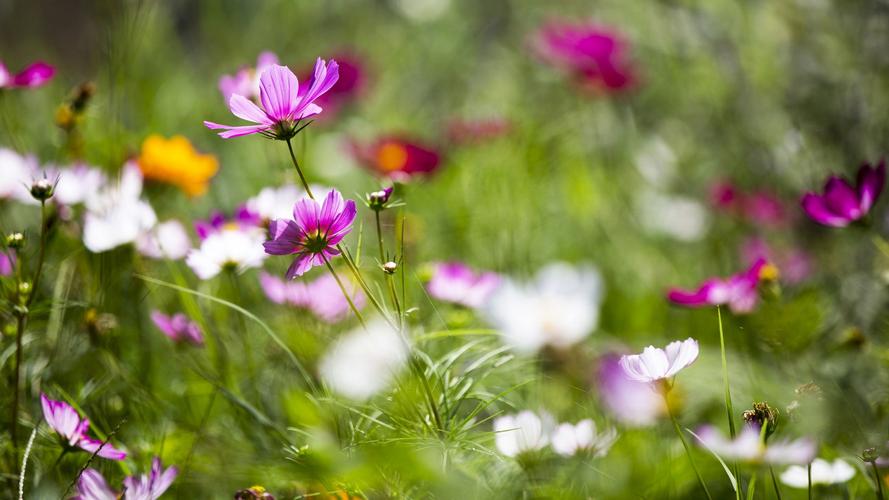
(823, 472)
(16, 174)
(363, 362)
(559, 308)
(167, 240)
(748, 447)
(231, 247)
(570, 439)
(656, 364)
(77, 184)
(116, 215)
(522, 432)
(277, 202)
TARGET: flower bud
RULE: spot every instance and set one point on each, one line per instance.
(870, 455)
(377, 200)
(24, 289)
(390, 267)
(762, 415)
(254, 493)
(42, 189)
(15, 240)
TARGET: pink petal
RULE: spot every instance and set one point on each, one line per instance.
(34, 75)
(278, 92)
(244, 108)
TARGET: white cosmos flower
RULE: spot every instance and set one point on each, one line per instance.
(17, 172)
(167, 240)
(748, 447)
(656, 364)
(117, 215)
(277, 202)
(569, 439)
(364, 361)
(523, 432)
(76, 184)
(823, 472)
(230, 247)
(559, 308)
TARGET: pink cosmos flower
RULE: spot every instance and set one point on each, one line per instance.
(594, 55)
(243, 219)
(397, 158)
(246, 81)
(458, 283)
(748, 447)
(284, 102)
(178, 327)
(35, 75)
(656, 364)
(632, 402)
(841, 204)
(7, 262)
(794, 264)
(93, 486)
(314, 232)
(322, 297)
(67, 423)
(738, 291)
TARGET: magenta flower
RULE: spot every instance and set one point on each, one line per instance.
(594, 55)
(322, 297)
(178, 327)
(314, 232)
(739, 292)
(67, 423)
(93, 486)
(34, 75)
(841, 204)
(795, 264)
(284, 102)
(7, 262)
(397, 158)
(458, 283)
(350, 84)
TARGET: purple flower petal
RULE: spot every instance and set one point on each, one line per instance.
(841, 199)
(816, 208)
(870, 184)
(278, 92)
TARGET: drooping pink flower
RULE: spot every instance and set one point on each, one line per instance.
(748, 447)
(151, 486)
(458, 283)
(314, 232)
(178, 327)
(322, 297)
(34, 75)
(72, 429)
(739, 292)
(841, 204)
(397, 158)
(246, 81)
(596, 56)
(284, 102)
(632, 402)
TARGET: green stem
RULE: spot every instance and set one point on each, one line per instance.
(775, 482)
(879, 480)
(393, 294)
(299, 171)
(345, 292)
(809, 477)
(691, 459)
(238, 299)
(728, 397)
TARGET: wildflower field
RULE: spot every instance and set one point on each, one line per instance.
(444, 249)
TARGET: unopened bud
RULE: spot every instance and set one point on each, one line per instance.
(377, 200)
(15, 240)
(390, 267)
(42, 189)
(24, 289)
(870, 455)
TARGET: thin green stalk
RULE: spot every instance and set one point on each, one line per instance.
(345, 292)
(248, 350)
(879, 480)
(299, 171)
(393, 294)
(691, 459)
(775, 482)
(809, 477)
(728, 398)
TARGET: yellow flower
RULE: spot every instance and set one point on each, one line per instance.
(175, 161)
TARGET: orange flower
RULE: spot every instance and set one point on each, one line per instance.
(175, 161)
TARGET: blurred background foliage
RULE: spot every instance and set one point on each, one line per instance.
(772, 95)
